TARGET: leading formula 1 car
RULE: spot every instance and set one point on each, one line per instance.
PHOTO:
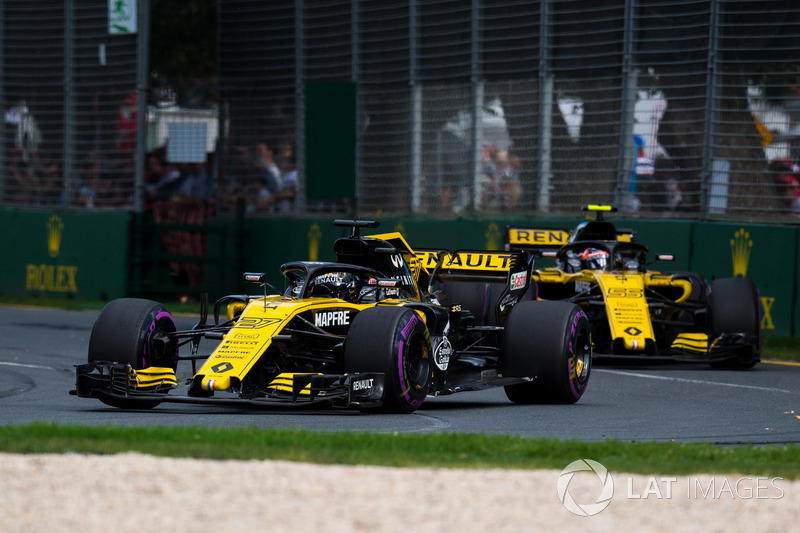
(637, 312)
(377, 329)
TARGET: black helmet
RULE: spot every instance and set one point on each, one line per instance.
(340, 285)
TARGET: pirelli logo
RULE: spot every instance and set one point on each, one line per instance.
(467, 261)
(537, 237)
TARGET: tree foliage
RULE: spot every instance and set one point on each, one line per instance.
(183, 47)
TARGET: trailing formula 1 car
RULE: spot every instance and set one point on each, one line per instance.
(375, 330)
(637, 312)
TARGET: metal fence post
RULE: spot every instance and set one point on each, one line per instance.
(476, 92)
(545, 124)
(3, 126)
(415, 147)
(625, 165)
(142, 90)
(355, 77)
(68, 157)
(300, 114)
(712, 101)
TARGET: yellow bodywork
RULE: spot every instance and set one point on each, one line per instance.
(253, 333)
(250, 337)
(152, 378)
(623, 293)
(692, 342)
(285, 381)
(627, 309)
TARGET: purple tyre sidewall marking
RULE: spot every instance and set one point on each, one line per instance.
(160, 316)
(573, 342)
(401, 372)
(404, 335)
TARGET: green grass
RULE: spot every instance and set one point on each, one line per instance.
(439, 450)
(785, 348)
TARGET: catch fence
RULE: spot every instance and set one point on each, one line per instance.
(676, 109)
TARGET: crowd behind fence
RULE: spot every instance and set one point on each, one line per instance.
(680, 109)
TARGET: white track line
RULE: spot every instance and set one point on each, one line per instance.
(694, 381)
(7, 363)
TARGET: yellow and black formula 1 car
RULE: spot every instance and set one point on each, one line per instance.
(636, 312)
(377, 329)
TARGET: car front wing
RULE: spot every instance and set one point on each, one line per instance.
(120, 381)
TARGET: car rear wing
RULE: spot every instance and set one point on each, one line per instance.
(472, 265)
(545, 241)
(517, 238)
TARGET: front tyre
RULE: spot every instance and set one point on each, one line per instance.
(132, 331)
(396, 342)
(551, 343)
(735, 308)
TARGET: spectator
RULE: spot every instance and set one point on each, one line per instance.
(52, 189)
(168, 183)
(126, 123)
(644, 174)
(24, 181)
(154, 171)
(235, 193)
(665, 172)
(283, 199)
(114, 179)
(786, 180)
(488, 172)
(661, 192)
(268, 171)
(86, 196)
(196, 186)
(89, 170)
(454, 168)
(507, 180)
(287, 191)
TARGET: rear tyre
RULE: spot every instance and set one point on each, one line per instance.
(396, 342)
(735, 308)
(122, 334)
(549, 342)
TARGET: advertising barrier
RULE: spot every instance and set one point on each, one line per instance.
(81, 255)
(87, 255)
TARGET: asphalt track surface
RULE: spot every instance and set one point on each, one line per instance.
(667, 402)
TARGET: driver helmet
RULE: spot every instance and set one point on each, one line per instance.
(340, 285)
(593, 259)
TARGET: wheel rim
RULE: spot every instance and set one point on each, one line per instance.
(162, 324)
(418, 365)
(581, 360)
